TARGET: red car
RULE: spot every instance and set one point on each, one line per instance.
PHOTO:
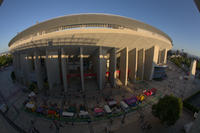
(150, 92)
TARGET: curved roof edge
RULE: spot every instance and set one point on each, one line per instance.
(31, 30)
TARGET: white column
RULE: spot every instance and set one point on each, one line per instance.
(140, 65)
(132, 64)
(193, 69)
(52, 66)
(25, 73)
(151, 59)
(165, 56)
(112, 67)
(17, 70)
(159, 57)
(81, 69)
(28, 67)
(124, 66)
(64, 69)
(38, 70)
(101, 67)
(162, 58)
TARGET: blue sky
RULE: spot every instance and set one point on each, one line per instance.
(180, 19)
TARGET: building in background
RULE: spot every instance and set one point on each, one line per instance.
(87, 50)
(197, 2)
(1, 1)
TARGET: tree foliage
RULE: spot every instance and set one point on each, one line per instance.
(5, 59)
(182, 60)
(185, 60)
(33, 87)
(168, 109)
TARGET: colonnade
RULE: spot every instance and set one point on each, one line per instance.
(134, 64)
(139, 64)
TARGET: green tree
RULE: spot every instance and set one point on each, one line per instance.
(33, 87)
(5, 59)
(168, 109)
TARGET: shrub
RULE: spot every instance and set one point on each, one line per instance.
(189, 106)
(32, 86)
(168, 109)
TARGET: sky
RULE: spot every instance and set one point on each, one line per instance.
(180, 19)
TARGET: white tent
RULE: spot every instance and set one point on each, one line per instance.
(68, 114)
(107, 109)
(32, 94)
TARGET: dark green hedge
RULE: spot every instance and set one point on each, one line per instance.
(188, 105)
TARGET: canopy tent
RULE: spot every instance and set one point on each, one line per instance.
(98, 110)
(83, 113)
(32, 94)
(112, 103)
(30, 105)
(131, 101)
(107, 109)
(68, 114)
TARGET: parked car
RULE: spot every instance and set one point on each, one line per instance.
(124, 106)
(107, 109)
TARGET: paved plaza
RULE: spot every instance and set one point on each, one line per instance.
(174, 84)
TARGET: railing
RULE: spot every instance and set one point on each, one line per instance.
(81, 26)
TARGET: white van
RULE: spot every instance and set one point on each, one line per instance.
(67, 114)
(123, 105)
(83, 114)
(107, 109)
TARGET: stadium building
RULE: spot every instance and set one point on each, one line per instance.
(86, 50)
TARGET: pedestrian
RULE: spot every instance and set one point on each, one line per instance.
(32, 122)
(106, 130)
(111, 121)
(122, 121)
(35, 130)
(57, 129)
(88, 121)
(51, 126)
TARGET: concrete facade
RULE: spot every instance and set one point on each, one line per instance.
(132, 64)
(124, 66)
(63, 48)
(117, 29)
